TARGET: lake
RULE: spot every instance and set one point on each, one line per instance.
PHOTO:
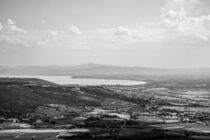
(79, 81)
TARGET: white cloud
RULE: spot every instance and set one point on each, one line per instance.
(74, 30)
(14, 28)
(182, 22)
(1, 26)
(121, 31)
(11, 27)
(144, 33)
(12, 34)
(14, 40)
(53, 32)
(6, 38)
(188, 1)
(41, 37)
(43, 22)
(10, 21)
(178, 24)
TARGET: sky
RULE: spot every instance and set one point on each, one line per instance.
(148, 33)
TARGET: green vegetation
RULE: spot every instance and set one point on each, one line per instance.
(169, 109)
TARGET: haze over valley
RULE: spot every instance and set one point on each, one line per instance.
(104, 70)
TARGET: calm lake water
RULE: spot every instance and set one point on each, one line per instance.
(80, 81)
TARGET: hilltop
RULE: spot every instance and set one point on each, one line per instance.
(92, 70)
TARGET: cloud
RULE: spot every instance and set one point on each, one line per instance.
(11, 27)
(43, 22)
(53, 32)
(179, 24)
(146, 32)
(188, 1)
(74, 30)
(12, 34)
(180, 20)
(1, 26)
(14, 40)
(121, 31)
(183, 22)
(14, 28)
(10, 21)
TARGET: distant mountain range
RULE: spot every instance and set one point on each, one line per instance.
(92, 70)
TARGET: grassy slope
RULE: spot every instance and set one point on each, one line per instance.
(20, 99)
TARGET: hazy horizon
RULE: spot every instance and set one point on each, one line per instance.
(154, 34)
(84, 64)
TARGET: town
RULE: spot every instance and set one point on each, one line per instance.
(118, 112)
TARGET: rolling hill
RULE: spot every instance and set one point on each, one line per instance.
(92, 70)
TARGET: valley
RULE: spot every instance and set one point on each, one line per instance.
(164, 109)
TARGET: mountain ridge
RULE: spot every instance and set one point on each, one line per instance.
(93, 70)
(86, 65)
